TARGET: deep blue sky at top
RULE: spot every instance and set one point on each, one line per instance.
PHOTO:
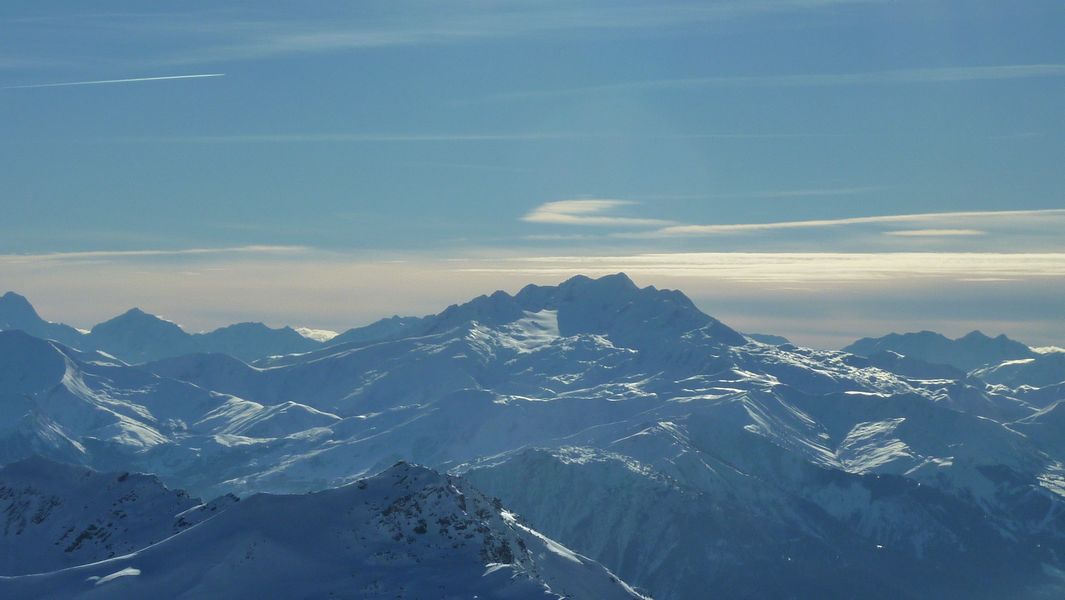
(179, 163)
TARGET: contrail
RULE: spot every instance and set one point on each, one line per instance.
(103, 81)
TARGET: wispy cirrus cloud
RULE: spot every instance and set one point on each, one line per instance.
(934, 232)
(356, 138)
(386, 137)
(21, 62)
(98, 255)
(940, 217)
(779, 193)
(1035, 229)
(110, 81)
(806, 192)
(216, 34)
(593, 212)
(939, 75)
(259, 37)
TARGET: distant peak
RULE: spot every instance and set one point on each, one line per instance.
(137, 318)
(135, 312)
(621, 278)
(576, 279)
(318, 335)
(972, 350)
(617, 281)
(12, 302)
(246, 326)
(924, 333)
(612, 305)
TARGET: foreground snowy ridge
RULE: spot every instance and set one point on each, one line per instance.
(408, 532)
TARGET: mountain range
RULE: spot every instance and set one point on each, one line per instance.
(971, 351)
(687, 458)
(136, 336)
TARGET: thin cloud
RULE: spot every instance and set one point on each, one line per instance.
(311, 138)
(694, 230)
(95, 255)
(558, 237)
(108, 81)
(18, 62)
(464, 166)
(795, 267)
(752, 136)
(770, 194)
(587, 212)
(806, 192)
(256, 39)
(473, 136)
(1022, 135)
(934, 232)
(889, 77)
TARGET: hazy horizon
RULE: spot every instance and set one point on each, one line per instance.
(735, 312)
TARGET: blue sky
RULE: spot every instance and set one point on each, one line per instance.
(817, 168)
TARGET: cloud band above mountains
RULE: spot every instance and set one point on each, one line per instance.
(953, 224)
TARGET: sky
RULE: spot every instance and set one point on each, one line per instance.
(819, 169)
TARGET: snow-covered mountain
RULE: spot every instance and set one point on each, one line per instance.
(59, 515)
(1041, 370)
(908, 366)
(971, 351)
(622, 421)
(768, 338)
(378, 331)
(136, 336)
(318, 335)
(408, 532)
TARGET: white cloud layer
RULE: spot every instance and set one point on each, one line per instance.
(934, 232)
(948, 218)
(799, 267)
(588, 212)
